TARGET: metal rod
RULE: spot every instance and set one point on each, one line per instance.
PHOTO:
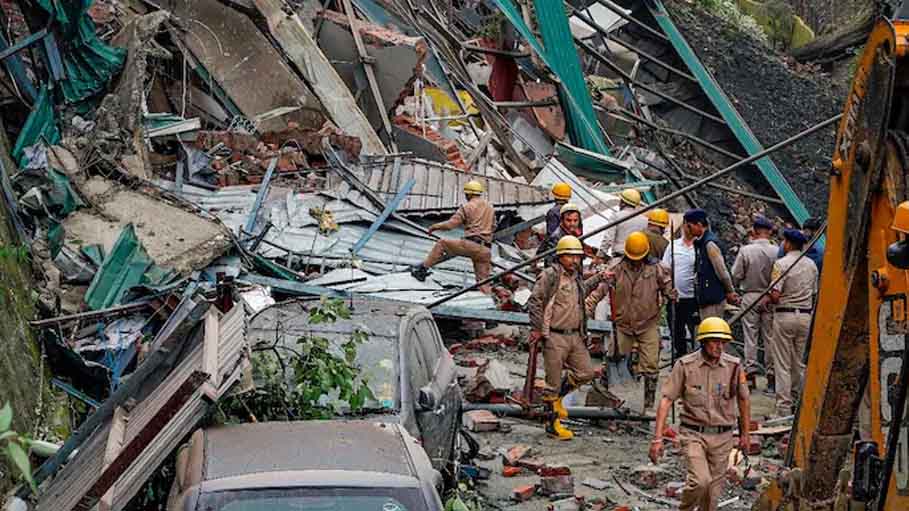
(620, 13)
(678, 193)
(606, 34)
(718, 186)
(495, 51)
(525, 104)
(574, 412)
(625, 76)
(689, 136)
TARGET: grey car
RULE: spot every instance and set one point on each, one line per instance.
(320, 465)
(408, 369)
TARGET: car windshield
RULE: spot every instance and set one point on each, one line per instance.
(377, 359)
(315, 499)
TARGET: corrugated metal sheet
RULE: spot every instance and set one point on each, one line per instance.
(438, 188)
(153, 428)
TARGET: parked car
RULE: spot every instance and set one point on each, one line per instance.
(336, 465)
(410, 372)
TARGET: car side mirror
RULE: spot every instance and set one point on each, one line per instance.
(866, 472)
(427, 399)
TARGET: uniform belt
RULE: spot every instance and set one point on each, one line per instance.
(710, 430)
(479, 241)
(565, 332)
(792, 309)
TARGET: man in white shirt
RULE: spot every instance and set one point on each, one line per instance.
(686, 309)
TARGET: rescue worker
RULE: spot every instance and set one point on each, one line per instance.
(793, 299)
(815, 253)
(561, 193)
(569, 225)
(559, 320)
(657, 222)
(713, 285)
(684, 316)
(642, 285)
(710, 383)
(751, 272)
(478, 219)
(613, 244)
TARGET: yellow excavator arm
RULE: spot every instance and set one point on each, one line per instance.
(851, 424)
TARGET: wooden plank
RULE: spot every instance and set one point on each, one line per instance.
(114, 443)
(303, 51)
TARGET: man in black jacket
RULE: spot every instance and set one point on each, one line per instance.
(713, 284)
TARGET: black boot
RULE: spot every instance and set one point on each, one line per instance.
(419, 272)
(650, 385)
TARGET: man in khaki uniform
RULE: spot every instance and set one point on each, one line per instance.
(751, 272)
(613, 244)
(642, 284)
(793, 297)
(710, 384)
(478, 219)
(657, 222)
(559, 320)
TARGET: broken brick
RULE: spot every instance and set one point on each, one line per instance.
(648, 476)
(523, 493)
(554, 470)
(531, 464)
(557, 485)
(755, 446)
(511, 471)
(514, 454)
(568, 504)
(480, 421)
(674, 489)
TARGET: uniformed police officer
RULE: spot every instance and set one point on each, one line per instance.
(657, 222)
(793, 299)
(642, 285)
(561, 194)
(710, 384)
(751, 272)
(478, 219)
(569, 225)
(558, 319)
(613, 244)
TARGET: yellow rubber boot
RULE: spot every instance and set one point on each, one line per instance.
(559, 408)
(553, 425)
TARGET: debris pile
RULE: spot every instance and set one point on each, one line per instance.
(176, 169)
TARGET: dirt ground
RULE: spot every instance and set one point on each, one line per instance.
(609, 451)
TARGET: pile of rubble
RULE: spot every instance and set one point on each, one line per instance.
(174, 168)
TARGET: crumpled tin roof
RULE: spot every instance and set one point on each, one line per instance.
(438, 188)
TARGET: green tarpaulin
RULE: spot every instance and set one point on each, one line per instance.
(40, 125)
(89, 63)
(583, 128)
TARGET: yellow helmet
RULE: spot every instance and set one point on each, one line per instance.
(569, 245)
(714, 328)
(561, 191)
(473, 188)
(637, 246)
(901, 218)
(568, 208)
(658, 217)
(631, 197)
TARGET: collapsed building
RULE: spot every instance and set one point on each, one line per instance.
(176, 167)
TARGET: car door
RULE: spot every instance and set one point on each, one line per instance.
(438, 426)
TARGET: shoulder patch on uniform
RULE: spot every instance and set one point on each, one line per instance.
(689, 358)
(730, 358)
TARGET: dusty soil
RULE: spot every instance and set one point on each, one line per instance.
(776, 101)
(603, 451)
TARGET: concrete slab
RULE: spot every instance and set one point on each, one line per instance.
(174, 238)
(243, 61)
